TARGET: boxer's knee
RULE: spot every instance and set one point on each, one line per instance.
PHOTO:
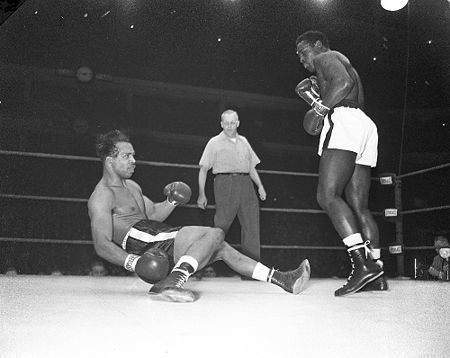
(222, 251)
(325, 198)
(217, 235)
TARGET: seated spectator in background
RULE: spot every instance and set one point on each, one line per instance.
(439, 267)
(207, 272)
(56, 272)
(98, 269)
(11, 271)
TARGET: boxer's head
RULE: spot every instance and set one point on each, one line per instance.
(308, 45)
(117, 153)
(106, 144)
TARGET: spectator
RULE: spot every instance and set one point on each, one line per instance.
(98, 269)
(11, 271)
(439, 267)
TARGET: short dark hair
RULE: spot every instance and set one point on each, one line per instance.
(311, 37)
(105, 144)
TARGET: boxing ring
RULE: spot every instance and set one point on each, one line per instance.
(113, 316)
(71, 316)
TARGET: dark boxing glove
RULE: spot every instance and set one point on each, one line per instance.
(313, 122)
(153, 265)
(177, 193)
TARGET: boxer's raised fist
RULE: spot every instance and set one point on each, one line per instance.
(177, 193)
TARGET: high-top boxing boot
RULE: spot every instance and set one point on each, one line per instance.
(292, 281)
(364, 270)
(171, 288)
(379, 284)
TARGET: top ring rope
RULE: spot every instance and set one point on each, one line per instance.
(424, 170)
(145, 162)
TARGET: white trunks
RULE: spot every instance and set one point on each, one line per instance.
(351, 129)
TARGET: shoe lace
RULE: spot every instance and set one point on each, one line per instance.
(366, 252)
(180, 278)
(351, 272)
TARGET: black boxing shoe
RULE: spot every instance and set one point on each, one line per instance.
(364, 270)
(171, 288)
(292, 281)
(379, 284)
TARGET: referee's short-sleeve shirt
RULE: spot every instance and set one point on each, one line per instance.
(225, 155)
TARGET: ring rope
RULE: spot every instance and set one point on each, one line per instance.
(443, 207)
(162, 164)
(424, 170)
(297, 247)
(192, 206)
(145, 162)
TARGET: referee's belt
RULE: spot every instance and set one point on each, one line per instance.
(233, 174)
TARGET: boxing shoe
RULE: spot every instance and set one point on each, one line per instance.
(364, 270)
(292, 281)
(171, 288)
(379, 284)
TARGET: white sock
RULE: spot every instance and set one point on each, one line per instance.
(376, 253)
(352, 240)
(189, 260)
(260, 272)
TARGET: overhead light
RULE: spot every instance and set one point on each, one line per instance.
(393, 5)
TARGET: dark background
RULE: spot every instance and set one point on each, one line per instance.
(243, 46)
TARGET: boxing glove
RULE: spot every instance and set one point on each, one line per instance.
(177, 193)
(313, 122)
(308, 90)
(315, 85)
(153, 265)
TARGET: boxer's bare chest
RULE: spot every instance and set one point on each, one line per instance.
(127, 201)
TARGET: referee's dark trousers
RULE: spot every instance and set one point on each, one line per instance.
(235, 195)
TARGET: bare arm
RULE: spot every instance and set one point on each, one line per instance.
(100, 212)
(202, 201)
(157, 211)
(257, 180)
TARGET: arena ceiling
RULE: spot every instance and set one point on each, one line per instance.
(242, 45)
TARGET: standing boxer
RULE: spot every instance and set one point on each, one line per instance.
(125, 224)
(348, 149)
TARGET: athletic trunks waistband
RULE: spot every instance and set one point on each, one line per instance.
(232, 174)
(150, 231)
(345, 103)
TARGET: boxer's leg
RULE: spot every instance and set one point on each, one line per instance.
(292, 281)
(335, 171)
(336, 168)
(357, 195)
(194, 247)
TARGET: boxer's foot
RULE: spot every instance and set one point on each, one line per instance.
(293, 281)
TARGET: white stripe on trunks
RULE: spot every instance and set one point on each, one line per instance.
(146, 237)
